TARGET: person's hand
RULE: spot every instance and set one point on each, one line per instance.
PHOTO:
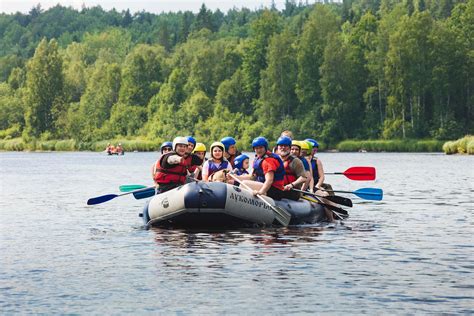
(255, 192)
(287, 187)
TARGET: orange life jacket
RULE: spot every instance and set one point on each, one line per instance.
(175, 174)
(290, 175)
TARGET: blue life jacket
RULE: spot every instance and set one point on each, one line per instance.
(240, 172)
(213, 167)
(305, 163)
(314, 165)
(258, 170)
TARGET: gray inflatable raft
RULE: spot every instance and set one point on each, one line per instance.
(220, 205)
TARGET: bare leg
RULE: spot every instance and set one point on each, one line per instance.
(329, 213)
(254, 185)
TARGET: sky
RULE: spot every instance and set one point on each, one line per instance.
(154, 6)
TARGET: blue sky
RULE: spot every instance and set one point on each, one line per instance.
(155, 6)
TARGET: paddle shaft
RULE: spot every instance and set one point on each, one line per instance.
(333, 198)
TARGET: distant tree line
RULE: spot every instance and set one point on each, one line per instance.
(360, 69)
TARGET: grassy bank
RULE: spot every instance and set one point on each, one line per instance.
(398, 145)
(17, 144)
(463, 145)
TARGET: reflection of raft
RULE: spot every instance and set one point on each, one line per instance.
(216, 204)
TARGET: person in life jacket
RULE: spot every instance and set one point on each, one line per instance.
(200, 151)
(166, 147)
(268, 171)
(119, 149)
(216, 163)
(231, 151)
(191, 144)
(295, 175)
(192, 158)
(108, 149)
(316, 166)
(296, 151)
(171, 170)
(241, 164)
(317, 175)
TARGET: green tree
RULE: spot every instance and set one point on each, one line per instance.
(321, 23)
(255, 51)
(342, 90)
(44, 84)
(277, 94)
(143, 73)
(408, 70)
(96, 103)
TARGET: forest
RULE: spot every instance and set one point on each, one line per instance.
(333, 71)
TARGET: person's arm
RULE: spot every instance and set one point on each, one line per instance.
(153, 171)
(320, 173)
(197, 172)
(269, 176)
(205, 171)
(298, 167)
(229, 170)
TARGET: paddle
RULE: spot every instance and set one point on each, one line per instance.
(131, 187)
(108, 197)
(340, 212)
(333, 198)
(372, 194)
(358, 173)
(281, 215)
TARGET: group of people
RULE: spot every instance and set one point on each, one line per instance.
(114, 150)
(276, 173)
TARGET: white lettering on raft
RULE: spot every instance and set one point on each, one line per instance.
(244, 199)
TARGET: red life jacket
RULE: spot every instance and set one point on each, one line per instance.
(176, 174)
(290, 175)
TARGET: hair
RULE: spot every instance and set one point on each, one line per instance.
(287, 133)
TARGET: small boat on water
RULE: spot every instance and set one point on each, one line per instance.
(217, 204)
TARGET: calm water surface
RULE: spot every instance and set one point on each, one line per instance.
(412, 253)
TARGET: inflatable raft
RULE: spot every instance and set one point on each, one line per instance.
(219, 205)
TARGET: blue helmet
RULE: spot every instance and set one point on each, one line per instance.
(239, 160)
(260, 141)
(313, 142)
(284, 140)
(227, 141)
(191, 140)
(166, 144)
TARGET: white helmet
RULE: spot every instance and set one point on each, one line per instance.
(179, 140)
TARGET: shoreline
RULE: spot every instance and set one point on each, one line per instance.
(461, 146)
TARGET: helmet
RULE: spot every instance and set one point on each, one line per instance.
(310, 145)
(199, 147)
(191, 140)
(179, 140)
(166, 144)
(313, 142)
(217, 144)
(296, 143)
(304, 145)
(284, 140)
(260, 141)
(239, 160)
(227, 141)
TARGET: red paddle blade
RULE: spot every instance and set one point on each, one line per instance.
(360, 173)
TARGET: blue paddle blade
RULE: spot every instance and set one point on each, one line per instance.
(370, 194)
(101, 199)
(144, 194)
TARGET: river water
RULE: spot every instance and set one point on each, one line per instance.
(412, 253)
